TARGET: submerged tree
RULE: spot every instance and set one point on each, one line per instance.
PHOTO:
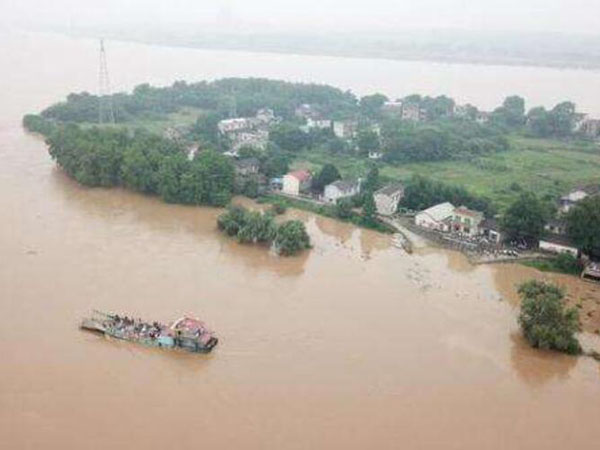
(525, 218)
(291, 238)
(259, 227)
(545, 320)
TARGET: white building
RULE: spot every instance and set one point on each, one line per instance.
(558, 244)
(466, 221)
(345, 129)
(321, 124)
(388, 198)
(296, 182)
(438, 217)
(341, 189)
(234, 125)
(576, 195)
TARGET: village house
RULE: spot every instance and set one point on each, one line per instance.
(265, 116)
(341, 189)
(388, 198)
(234, 125)
(557, 243)
(345, 129)
(466, 221)
(296, 182)
(490, 229)
(246, 167)
(576, 195)
(437, 218)
(306, 111)
(392, 107)
(248, 131)
(412, 112)
(256, 139)
(483, 117)
(588, 127)
(321, 124)
(556, 226)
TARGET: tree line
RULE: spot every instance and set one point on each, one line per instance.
(143, 162)
(244, 95)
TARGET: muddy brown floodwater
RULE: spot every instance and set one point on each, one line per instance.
(351, 345)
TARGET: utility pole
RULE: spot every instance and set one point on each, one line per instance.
(106, 112)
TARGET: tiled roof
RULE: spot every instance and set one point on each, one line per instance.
(346, 185)
(300, 175)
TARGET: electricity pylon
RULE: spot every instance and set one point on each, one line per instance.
(106, 113)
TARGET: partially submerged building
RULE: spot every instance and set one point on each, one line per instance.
(466, 221)
(437, 218)
(388, 198)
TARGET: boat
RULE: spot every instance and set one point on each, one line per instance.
(187, 333)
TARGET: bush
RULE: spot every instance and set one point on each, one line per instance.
(544, 319)
(278, 208)
(258, 227)
(291, 238)
(343, 208)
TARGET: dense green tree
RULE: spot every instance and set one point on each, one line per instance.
(421, 193)
(205, 129)
(372, 182)
(327, 175)
(583, 225)
(249, 94)
(511, 113)
(258, 227)
(137, 172)
(169, 177)
(370, 105)
(368, 141)
(545, 320)
(343, 208)
(291, 238)
(369, 209)
(275, 164)
(289, 137)
(232, 220)
(525, 218)
(216, 174)
(337, 145)
(564, 117)
(539, 122)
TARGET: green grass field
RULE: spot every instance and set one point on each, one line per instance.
(546, 167)
(182, 118)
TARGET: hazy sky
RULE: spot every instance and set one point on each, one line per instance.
(578, 16)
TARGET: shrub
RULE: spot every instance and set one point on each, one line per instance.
(291, 238)
(544, 319)
(343, 208)
(278, 208)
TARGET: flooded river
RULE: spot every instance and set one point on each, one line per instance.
(351, 345)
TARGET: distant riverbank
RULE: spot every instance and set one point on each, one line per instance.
(527, 50)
